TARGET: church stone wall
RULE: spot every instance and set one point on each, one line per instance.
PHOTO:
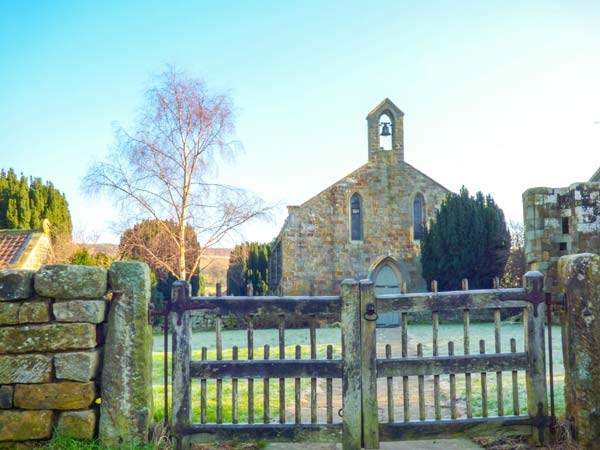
(316, 250)
(559, 222)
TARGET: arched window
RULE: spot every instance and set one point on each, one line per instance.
(418, 219)
(356, 218)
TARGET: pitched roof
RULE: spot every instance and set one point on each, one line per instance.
(12, 243)
(596, 177)
(385, 104)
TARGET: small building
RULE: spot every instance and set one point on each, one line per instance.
(25, 249)
(367, 225)
(558, 222)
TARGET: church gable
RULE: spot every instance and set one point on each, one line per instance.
(379, 210)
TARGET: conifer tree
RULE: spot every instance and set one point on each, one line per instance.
(12, 215)
(468, 239)
(248, 264)
(24, 204)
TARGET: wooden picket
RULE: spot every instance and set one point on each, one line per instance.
(359, 368)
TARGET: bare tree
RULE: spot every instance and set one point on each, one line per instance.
(165, 169)
(517, 234)
(516, 265)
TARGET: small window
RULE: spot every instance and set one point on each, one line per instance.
(562, 246)
(418, 221)
(565, 225)
(356, 218)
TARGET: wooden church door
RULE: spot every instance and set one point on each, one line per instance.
(386, 282)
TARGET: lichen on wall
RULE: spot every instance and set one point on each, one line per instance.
(52, 326)
(559, 222)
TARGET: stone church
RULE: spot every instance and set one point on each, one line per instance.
(366, 225)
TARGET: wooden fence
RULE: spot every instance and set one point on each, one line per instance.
(358, 369)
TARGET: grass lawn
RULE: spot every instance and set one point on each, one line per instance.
(419, 332)
(231, 338)
(454, 332)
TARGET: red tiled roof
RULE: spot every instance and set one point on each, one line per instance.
(12, 242)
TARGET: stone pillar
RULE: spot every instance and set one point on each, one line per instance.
(126, 410)
(579, 277)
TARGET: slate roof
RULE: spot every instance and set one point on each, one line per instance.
(12, 243)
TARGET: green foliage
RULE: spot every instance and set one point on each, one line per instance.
(12, 216)
(148, 241)
(202, 287)
(468, 239)
(66, 443)
(152, 241)
(82, 257)
(25, 203)
(248, 263)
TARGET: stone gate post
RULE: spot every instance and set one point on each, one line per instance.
(579, 279)
(126, 409)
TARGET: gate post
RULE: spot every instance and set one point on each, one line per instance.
(579, 277)
(368, 317)
(181, 386)
(537, 397)
(351, 382)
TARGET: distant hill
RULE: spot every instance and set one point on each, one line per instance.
(218, 252)
(108, 249)
(214, 263)
(213, 267)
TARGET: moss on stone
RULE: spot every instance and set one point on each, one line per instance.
(71, 281)
(25, 425)
(60, 396)
(126, 408)
(34, 312)
(25, 369)
(16, 284)
(77, 424)
(47, 338)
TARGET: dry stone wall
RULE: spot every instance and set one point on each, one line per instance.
(52, 330)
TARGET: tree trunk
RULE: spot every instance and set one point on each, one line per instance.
(182, 273)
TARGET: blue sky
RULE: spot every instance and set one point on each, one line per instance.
(498, 96)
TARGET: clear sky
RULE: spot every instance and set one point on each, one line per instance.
(499, 96)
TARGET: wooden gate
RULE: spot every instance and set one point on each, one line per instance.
(367, 416)
(413, 369)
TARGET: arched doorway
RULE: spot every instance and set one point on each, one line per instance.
(387, 280)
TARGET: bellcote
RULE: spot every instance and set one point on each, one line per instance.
(386, 116)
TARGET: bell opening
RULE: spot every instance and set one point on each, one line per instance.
(385, 132)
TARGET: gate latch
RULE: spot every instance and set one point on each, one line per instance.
(371, 314)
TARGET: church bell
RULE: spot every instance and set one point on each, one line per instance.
(385, 131)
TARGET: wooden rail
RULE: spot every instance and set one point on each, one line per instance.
(323, 306)
(452, 300)
(456, 364)
(288, 432)
(272, 368)
(359, 368)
